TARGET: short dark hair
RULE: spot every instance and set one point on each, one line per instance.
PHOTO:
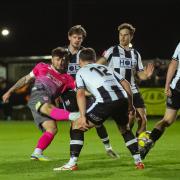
(87, 54)
(60, 52)
(77, 29)
(127, 26)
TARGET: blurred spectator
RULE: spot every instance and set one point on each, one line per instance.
(160, 73)
(6, 108)
(159, 76)
(18, 100)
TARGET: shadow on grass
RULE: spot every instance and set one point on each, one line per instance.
(92, 166)
(163, 169)
(33, 166)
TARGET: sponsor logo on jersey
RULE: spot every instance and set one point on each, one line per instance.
(56, 81)
(127, 63)
(73, 68)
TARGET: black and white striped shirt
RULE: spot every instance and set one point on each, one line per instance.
(175, 84)
(73, 66)
(125, 63)
(100, 82)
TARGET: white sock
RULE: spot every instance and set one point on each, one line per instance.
(73, 116)
(38, 151)
(73, 161)
(107, 146)
(137, 158)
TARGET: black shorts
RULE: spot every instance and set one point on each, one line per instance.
(138, 101)
(97, 113)
(70, 103)
(39, 96)
(173, 102)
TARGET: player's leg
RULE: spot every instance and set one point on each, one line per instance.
(141, 120)
(69, 102)
(76, 145)
(57, 113)
(140, 113)
(168, 119)
(173, 105)
(46, 124)
(49, 129)
(159, 129)
(121, 119)
(103, 135)
(77, 136)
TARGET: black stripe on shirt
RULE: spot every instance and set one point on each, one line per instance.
(104, 94)
(128, 71)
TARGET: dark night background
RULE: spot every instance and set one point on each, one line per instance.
(38, 28)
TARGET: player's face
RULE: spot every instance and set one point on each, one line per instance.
(125, 37)
(75, 40)
(81, 63)
(60, 64)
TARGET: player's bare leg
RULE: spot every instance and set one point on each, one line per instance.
(45, 140)
(168, 119)
(102, 133)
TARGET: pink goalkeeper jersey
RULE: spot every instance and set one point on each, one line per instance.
(55, 82)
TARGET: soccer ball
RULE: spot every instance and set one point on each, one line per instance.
(143, 138)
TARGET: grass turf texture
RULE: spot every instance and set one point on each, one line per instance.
(18, 139)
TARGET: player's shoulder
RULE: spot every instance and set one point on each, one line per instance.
(178, 46)
(42, 64)
(135, 50)
(84, 69)
(109, 50)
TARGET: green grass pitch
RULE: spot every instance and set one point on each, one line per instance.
(18, 139)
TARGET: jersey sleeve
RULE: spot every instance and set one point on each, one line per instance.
(139, 66)
(79, 81)
(31, 74)
(36, 69)
(176, 54)
(108, 54)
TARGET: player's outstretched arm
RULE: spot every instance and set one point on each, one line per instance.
(147, 73)
(20, 83)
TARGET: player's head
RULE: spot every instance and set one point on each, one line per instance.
(60, 59)
(86, 56)
(76, 35)
(126, 33)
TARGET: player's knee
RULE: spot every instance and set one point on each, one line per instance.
(165, 123)
(141, 118)
(45, 108)
(53, 130)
